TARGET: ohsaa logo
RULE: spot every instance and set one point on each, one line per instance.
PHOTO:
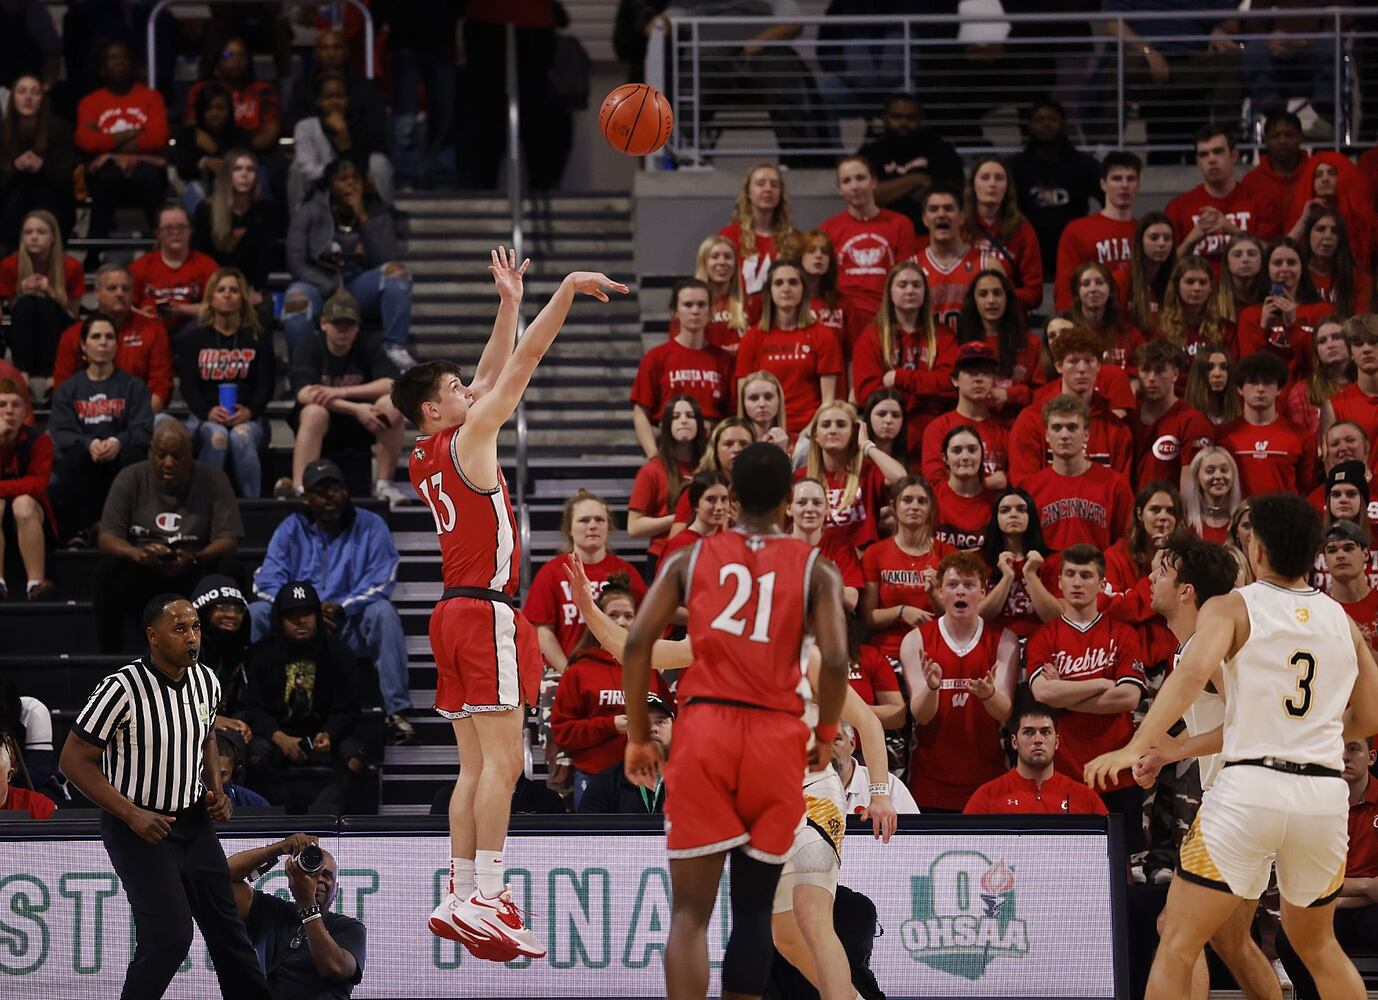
(963, 915)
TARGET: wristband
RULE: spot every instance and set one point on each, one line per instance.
(880, 790)
(309, 913)
(826, 734)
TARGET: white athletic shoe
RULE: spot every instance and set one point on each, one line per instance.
(442, 924)
(496, 921)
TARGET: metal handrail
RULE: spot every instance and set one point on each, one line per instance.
(336, 17)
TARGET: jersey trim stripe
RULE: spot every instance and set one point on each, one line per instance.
(689, 575)
(506, 543)
(808, 577)
(454, 457)
(718, 848)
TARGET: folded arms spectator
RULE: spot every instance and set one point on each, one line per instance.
(41, 287)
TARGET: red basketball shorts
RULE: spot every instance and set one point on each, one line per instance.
(487, 657)
(735, 778)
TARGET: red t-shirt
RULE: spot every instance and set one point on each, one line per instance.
(651, 496)
(1163, 448)
(1014, 794)
(72, 275)
(870, 674)
(898, 577)
(1093, 237)
(960, 748)
(995, 436)
(104, 115)
(1245, 206)
(583, 718)
(1110, 443)
(866, 250)
(1277, 457)
(1362, 860)
(37, 805)
(1365, 614)
(756, 267)
(671, 369)
(961, 521)
(1105, 648)
(835, 546)
(144, 352)
(947, 286)
(798, 358)
(923, 375)
(835, 318)
(857, 524)
(1352, 403)
(550, 602)
(156, 283)
(1095, 507)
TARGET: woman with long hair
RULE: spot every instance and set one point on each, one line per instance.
(1328, 181)
(995, 224)
(237, 225)
(1241, 530)
(1210, 494)
(1187, 317)
(583, 723)
(715, 265)
(819, 261)
(991, 316)
(1210, 386)
(809, 516)
(680, 444)
(1128, 563)
(730, 435)
(1140, 288)
(907, 349)
(854, 470)
(1281, 323)
(1014, 550)
(37, 158)
(791, 344)
(883, 415)
(228, 347)
(41, 288)
(1094, 307)
(1243, 279)
(963, 498)
(586, 525)
(901, 571)
(761, 229)
(1331, 369)
(1329, 270)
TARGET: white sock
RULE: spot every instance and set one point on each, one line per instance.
(462, 877)
(33, 584)
(488, 872)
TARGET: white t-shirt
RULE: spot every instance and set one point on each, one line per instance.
(859, 793)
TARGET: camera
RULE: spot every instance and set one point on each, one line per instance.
(311, 859)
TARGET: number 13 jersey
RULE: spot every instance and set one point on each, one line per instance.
(479, 546)
(1287, 687)
(747, 597)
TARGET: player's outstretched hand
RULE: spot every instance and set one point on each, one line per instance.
(643, 762)
(581, 591)
(884, 819)
(1101, 772)
(507, 276)
(596, 284)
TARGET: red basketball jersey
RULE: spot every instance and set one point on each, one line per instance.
(747, 597)
(479, 545)
(960, 749)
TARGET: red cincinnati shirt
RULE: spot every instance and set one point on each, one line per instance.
(1109, 443)
(1095, 507)
(1093, 237)
(1013, 794)
(1277, 457)
(798, 358)
(671, 369)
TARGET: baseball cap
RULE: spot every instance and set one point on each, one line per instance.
(341, 307)
(655, 703)
(975, 353)
(296, 595)
(1353, 472)
(320, 471)
(1345, 530)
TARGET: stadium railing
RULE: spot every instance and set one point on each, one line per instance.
(963, 69)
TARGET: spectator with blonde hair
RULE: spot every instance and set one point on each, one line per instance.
(41, 287)
(715, 265)
(724, 445)
(1210, 494)
(761, 230)
(1187, 317)
(854, 470)
(761, 400)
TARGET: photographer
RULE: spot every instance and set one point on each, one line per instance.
(332, 963)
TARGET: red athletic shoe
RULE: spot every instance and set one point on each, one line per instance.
(494, 921)
(442, 924)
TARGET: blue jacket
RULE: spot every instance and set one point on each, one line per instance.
(356, 567)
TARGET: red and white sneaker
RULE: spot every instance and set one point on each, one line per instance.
(442, 924)
(495, 921)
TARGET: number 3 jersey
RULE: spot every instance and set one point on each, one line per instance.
(1287, 687)
(479, 545)
(747, 597)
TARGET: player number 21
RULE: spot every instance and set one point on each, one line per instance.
(727, 620)
(448, 522)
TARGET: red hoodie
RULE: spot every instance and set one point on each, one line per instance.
(587, 704)
(103, 115)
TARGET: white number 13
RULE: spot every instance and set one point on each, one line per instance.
(728, 621)
(448, 523)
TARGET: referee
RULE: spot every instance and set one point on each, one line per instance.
(142, 749)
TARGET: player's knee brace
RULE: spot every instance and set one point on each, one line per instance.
(746, 962)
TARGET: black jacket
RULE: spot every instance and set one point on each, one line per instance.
(610, 792)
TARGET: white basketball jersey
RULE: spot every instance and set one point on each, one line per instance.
(825, 802)
(1287, 688)
(1207, 712)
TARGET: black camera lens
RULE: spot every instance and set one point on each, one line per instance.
(311, 859)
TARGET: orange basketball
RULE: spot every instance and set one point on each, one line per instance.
(636, 119)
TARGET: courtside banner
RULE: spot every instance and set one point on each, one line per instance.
(962, 914)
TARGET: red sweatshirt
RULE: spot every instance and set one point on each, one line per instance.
(925, 379)
(103, 115)
(144, 352)
(1020, 256)
(587, 704)
(1094, 237)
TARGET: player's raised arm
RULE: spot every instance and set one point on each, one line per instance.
(507, 279)
(500, 402)
(666, 654)
(661, 601)
(871, 738)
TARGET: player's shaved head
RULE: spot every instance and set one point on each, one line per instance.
(762, 478)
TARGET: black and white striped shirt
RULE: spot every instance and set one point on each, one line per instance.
(152, 731)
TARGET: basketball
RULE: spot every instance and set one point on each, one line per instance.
(636, 119)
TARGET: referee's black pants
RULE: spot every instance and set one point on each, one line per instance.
(170, 883)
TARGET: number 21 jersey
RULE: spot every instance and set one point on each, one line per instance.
(748, 606)
(479, 546)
